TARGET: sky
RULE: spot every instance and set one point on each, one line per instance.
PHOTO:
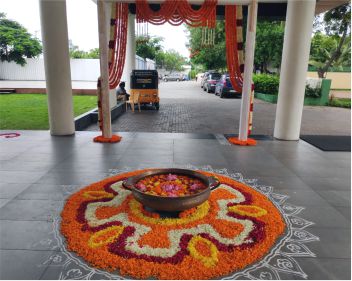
(83, 24)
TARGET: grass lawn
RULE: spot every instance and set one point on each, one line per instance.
(30, 111)
(340, 102)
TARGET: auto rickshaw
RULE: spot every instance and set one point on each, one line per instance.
(145, 84)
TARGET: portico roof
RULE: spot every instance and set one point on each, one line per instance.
(274, 9)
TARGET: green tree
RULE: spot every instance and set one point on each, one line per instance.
(173, 61)
(331, 49)
(16, 43)
(212, 57)
(159, 58)
(93, 54)
(148, 47)
(76, 53)
(269, 43)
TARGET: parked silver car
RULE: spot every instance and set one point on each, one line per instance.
(173, 77)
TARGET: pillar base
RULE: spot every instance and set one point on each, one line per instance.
(248, 142)
(113, 139)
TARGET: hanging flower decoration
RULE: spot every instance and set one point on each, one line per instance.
(117, 54)
(107, 227)
(117, 43)
(232, 57)
(177, 13)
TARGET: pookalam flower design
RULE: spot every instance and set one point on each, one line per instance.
(234, 228)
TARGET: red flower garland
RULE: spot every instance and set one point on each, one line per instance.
(117, 54)
(114, 138)
(231, 48)
(117, 43)
(177, 13)
(248, 142)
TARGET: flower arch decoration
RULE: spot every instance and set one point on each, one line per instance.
(176, 13)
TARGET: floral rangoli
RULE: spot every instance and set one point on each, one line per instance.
(108, 228)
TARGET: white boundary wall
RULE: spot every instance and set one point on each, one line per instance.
(81, 69)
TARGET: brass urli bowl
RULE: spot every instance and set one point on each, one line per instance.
(171, 204)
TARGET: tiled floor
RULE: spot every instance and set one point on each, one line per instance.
(37, 173)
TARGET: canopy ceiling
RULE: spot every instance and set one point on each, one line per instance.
(271, 9)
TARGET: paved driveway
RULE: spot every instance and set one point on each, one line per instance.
(186, 108)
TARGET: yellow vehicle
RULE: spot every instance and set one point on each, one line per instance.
(145, 84)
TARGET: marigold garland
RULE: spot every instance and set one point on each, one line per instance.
(248, 142)
(177, 13)
(104, 225)
(117, 43)
(114, 138)
(234, 54)
(116, 57)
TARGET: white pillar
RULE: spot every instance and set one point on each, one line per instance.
(108, 8)
(130, 60)
(248, 70)
(295, 56)
(104, 68)
(57, 66)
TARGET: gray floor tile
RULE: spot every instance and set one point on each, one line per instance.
(200, 161)
(3, 202)
(16, 146)
(83, 166)
(328, 183)
(47, 169)
(143, 165)
(337, 155)
(42, 210)
(305, 197)
(325, 217)
(146, 163)
(20, 176)
(279, 182)
(19, 165)
(44, 192)
(334, 243)
(94, 149)
(7, 156)
(26, 235)
(261, 170)
(201, 155)
(326, 269)
(10, 190)
(63, 177)
(23, 265)
(147, 154)
(315, 169)
(345, 211)
(340, 198)
(53, 157)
